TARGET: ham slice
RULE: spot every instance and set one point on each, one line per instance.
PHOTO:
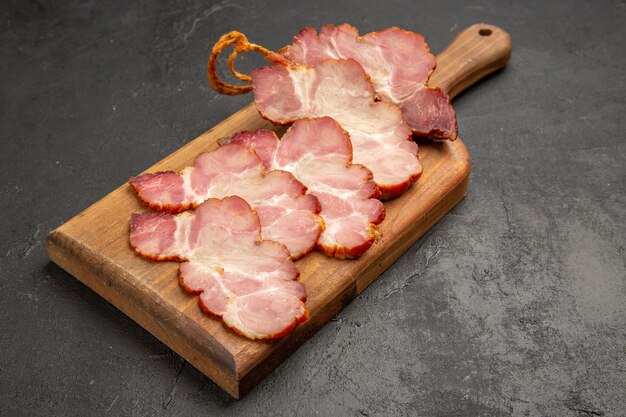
(319, 154)
(287, 214)
(247, 281)
(398, 63)
(340, 89)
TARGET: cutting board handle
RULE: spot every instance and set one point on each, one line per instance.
(476, 52)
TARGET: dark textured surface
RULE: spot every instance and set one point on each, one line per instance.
(514, 304)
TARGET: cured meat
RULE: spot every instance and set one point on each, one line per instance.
(319, 153)
(398, 63)
(337, 88)
(340, 89)
(287, 214)
(247, 281)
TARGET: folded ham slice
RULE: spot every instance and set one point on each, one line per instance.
(337, 88)
(398, 63)
(319, 154)
(287, 214)
(247, 281)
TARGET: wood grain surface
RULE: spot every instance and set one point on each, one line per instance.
(94, 247)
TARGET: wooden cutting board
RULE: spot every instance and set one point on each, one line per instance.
(93, 246)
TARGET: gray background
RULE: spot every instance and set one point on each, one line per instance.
(514, 304)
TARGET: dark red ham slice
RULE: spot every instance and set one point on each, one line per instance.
(247, 281)
(398, 63)
(287, 214)
(319, 154)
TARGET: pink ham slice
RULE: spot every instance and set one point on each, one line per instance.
(398, 63)
(318, 152)
(247, 281)
(287, 214)
(340, 89)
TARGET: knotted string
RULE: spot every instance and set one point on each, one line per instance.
(241, 44)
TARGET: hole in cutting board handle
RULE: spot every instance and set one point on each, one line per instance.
(484, 32)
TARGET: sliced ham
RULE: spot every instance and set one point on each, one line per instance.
(341, 89)
(247, 281)
(287, 214)
(338, 88)
(398, 63)
(319, 154)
